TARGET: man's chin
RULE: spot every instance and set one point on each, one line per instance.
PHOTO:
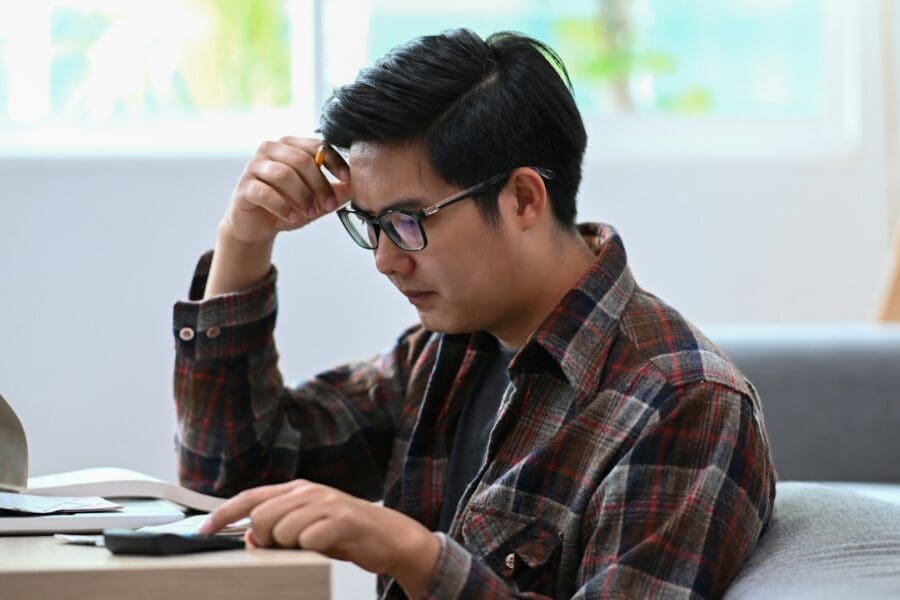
(434, 322)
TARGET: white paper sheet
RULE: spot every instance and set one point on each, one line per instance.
(46, 505)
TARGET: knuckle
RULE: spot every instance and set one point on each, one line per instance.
(257, 517)
(277, 170)
(301, 158)
(343, 513)
(257, 191)
(282, 537)
(266, 147)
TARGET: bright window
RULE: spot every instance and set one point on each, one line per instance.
(212, 76)
(742, 58)
(107, 75)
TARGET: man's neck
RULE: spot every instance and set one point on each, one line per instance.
(551, 276)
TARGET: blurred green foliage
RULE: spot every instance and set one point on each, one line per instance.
(603, 51)
(245, 61)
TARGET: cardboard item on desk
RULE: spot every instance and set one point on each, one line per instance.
(107, 482)
(13, 450)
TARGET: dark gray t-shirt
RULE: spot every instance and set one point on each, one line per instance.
(476, 420)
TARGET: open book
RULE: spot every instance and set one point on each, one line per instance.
(113, 482)
(146, 494)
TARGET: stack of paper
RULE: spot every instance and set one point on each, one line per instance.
(32, 504)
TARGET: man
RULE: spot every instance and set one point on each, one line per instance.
(549, 429)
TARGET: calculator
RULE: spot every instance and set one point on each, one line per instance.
(130, 541)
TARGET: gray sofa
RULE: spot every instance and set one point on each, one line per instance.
(831, 398)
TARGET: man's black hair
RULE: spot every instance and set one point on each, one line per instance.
(480, 108)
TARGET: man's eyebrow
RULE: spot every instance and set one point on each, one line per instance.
(404, 204)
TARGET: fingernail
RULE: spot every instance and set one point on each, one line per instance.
(293, 217)
(311, 212)
(344, 173)
(206, 526)
(331, 203)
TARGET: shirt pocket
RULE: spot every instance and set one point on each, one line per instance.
(522, 550)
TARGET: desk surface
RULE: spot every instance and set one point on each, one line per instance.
(42, 567)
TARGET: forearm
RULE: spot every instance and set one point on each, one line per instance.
(214, 341)
(237, 265)
(239, 425)
(223, 444)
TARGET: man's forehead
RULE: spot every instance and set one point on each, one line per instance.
(384, 176)
(375, 160)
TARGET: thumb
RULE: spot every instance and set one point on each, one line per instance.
(342, 192)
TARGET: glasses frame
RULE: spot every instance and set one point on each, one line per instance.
(419, 215)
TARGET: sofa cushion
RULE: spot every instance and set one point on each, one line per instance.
(829, 395)
(824, 541)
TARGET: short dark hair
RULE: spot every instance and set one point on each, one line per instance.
(480, 107)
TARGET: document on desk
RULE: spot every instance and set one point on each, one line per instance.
(136, 512)
(32, 504)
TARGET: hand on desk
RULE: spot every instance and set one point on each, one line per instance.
(302, 514)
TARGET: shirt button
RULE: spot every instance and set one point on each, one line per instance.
(213, 332)
(186, 333)
(510, 561)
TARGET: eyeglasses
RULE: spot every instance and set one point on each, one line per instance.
(404, 227)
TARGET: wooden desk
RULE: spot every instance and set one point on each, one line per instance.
(42, 567)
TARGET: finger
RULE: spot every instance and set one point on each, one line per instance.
(342, 192)
(334, 162)
(240, 506)
(259, 193)
(285, 180)
(305, 164)
(323, 535)
(266, 515)
(300, 155)
(290, 527)
(340, 197)
(302, 161)
(248, 539)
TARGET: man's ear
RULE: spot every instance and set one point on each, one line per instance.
(532, 203)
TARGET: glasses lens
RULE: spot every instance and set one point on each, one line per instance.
(360, 228)
(404, 230)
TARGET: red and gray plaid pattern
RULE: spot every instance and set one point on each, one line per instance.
(629, 458)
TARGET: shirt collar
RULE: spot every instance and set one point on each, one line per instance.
(578, 333)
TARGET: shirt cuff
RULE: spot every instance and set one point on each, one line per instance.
(460, 575)
(225, 326)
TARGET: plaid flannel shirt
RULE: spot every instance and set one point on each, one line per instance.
(629, 456)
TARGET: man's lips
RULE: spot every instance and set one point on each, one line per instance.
(417, 296)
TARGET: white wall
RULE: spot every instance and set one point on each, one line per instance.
(95, 251)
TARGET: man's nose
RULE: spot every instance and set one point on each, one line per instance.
(391, 260)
